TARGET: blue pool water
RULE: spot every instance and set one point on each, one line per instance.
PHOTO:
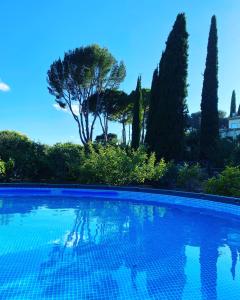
(108, 246)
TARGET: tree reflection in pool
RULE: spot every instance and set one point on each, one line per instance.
(68, 248)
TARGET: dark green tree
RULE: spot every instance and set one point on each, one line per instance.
(209, 105)
(137, 115)
(150, 138)
(233, 107)
(172, 108)
(239, 110)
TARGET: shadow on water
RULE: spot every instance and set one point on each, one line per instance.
(116, 250)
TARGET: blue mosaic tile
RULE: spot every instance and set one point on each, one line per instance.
(117, 245)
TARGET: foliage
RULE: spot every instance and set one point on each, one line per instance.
(209, 133)
(2, 170)
(65, 161)
(169, 179)
(227, 183)
(192, 145)
(9, 165)
(190, 177)
(121, 111)
(137, 115)
(111, 139)
(233, 108)
(118, 166)
(84, 72)
(152, 122)
(28, 156)
(171, 112)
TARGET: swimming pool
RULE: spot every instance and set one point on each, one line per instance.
(109, 244)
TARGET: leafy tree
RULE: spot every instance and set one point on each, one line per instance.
(137, 115)
(111, 139)
(115, 108)
(209, 105)
(172, 107)
(238, 110)
(84, 72)
(122, 112)
(195, 120)
(233, 104)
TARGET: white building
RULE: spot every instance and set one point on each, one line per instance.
(233, 130)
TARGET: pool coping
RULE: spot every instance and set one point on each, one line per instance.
(202, 196)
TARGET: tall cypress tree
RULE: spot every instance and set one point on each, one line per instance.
(238, 110)
(150, 138)
(137, 115)
(233, 104)
(209, 106)
(172, 93)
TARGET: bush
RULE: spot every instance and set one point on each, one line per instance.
(65, 161)
(2, 170)
(190, 177)
(29, 157)
(117, 166)
(227, 183)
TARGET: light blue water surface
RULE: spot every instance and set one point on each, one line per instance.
(91, 248)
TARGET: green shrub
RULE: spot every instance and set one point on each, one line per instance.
(2, 170)
(65, 161)
(29, 157)
(9, 165)
(227, 183)
(117, 166)
(190, 177)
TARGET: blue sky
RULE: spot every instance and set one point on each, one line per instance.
(34, 33)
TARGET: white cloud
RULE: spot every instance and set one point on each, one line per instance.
(4, 87)
(75, 108)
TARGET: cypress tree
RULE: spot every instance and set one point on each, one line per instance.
(238, 110)
(172, 93)
(233, 104)
(150, 138)
(209, 105)
(137, 115)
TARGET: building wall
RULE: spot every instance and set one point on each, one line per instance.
(234, 123)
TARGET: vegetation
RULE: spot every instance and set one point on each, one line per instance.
(82, 73)
(227, 183)
(137, 115)
(170, 89)
(209, 133)
(233, 105)
(190, 177)
(151, 137)
(118, 166)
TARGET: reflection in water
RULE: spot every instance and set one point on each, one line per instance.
(85, 249)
